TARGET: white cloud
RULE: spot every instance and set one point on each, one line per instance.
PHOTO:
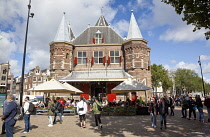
(164, 16)
(39, 58)
(205, 57)
(15, 68)
(182, 33)
(7, 46)
(121, 27)
(206, 68)
(44, 25)
(173, 61)
(206, 80)
(191, 66)
(122, 8)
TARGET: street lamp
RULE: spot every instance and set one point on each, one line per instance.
(24, 53)
(199, 62)
(7, 70)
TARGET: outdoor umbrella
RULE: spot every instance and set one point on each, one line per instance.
(52, 86)
(70, 87)
(130, 85)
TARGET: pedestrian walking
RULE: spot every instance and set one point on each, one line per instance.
(171, 105)
(58, 110)
(97, 112)
(200, 108)
(82, 110)
(3, 131)
(207, 104)
(51, 110)
(184, 107)
(10, 111)
(152, 110)
(26, 115)
(63, 102)
(163, 111)
(192, 108)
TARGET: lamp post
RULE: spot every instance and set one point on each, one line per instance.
(24, 53)
(7, 78)
(199, 62)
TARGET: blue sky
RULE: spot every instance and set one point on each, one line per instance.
(172, 42)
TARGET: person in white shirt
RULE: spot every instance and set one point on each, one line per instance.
(26, 115)
(82, 110)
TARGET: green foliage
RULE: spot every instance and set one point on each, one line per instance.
(186, 79)
(160, 77)
(141, 100)
(196, 12)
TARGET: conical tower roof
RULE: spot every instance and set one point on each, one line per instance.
(102, 21)
(64, 32)
(134, 31)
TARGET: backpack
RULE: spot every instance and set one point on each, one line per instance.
(31, 108)
(99, 107)
(53, 109)
(19, 115)
(59, 106)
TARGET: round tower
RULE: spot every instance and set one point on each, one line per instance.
(61, 51)
(137, 54)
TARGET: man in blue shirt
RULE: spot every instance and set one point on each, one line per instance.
(10, 110)
(3, 124)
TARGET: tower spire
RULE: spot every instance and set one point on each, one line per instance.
(64, 33)
(134, 31)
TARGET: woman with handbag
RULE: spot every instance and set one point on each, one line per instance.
(97, 112)
(82, 110)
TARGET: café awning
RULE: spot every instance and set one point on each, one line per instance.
(72, 88)
(130, 85)
(52, 86)
(96, 75)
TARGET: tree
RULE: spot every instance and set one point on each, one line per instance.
(160, 77)
(196, 12)
(187, 80)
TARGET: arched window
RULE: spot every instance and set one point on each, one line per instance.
(67, 55)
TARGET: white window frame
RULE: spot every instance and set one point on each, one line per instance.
(34, 79)
(98, 59)
(115, 57)
(98, 38)
(83, 58)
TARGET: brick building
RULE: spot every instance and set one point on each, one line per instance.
(99, 58)
(6, 78)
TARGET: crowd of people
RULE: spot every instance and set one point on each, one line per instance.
(55, 108)
(189, 105)
(157, 106)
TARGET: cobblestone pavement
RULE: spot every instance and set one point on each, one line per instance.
(115, 126)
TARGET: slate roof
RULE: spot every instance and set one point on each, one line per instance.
(109, 35)
(134, 31)
(64, 32)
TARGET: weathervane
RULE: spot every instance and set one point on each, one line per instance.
(102, 10)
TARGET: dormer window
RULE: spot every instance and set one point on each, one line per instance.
(37, 71)
(98, 38)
